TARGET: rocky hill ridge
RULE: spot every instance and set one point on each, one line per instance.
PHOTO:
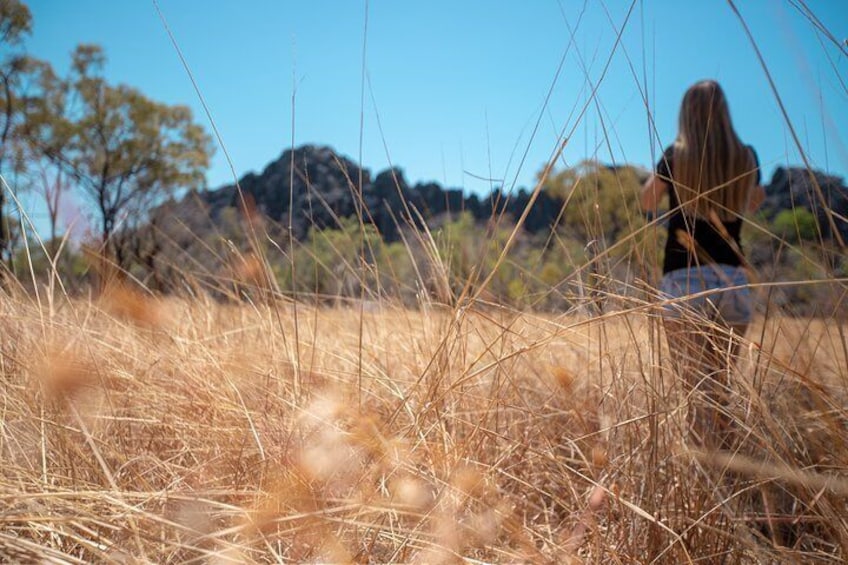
(318, 187)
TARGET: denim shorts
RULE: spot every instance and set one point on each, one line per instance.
(720, 292)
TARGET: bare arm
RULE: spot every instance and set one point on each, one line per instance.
(652, 192)
(758, 195)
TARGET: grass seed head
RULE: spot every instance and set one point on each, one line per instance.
(250, 270)
(333, 551)
(564, 378)
(125, 302)
(329, 455)
(470, 482)
(64, 372)
(484, 526)
(599, 457)
(411, 492)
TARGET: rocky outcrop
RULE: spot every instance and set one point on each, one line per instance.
(315, 187)
(318, 187)
(793, 187)
(314, 183)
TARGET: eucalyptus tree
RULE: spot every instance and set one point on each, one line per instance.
(122, 151)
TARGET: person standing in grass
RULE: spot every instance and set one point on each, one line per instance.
(711, 180)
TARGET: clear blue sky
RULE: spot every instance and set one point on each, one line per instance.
(459, 85)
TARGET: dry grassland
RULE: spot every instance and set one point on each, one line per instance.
(184, 431)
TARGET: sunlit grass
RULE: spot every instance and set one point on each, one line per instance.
(475, 433)
(342, 399)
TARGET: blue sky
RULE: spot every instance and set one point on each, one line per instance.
(459, 86)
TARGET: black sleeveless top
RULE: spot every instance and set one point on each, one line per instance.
(710, 246)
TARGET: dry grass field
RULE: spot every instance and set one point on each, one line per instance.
(135, 430)
(239, 425)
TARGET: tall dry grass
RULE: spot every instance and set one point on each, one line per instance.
(136, 429)
(203, 432)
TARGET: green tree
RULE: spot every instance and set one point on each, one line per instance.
(601, 201)
(460, 242)
(470, 253)
(122, 150)
(797, 224)
(398, 272)
(328, 263)
(601, 224)
(15, 24)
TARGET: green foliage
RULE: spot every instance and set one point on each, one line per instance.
(351, 262)
(467, 254)
(601, 201)
(52, 258)
(345, 261)
(602, 228)
(15, 22)
(552, 273)
(123, 150)
(524, 277)
(459, 243)
(798, 224)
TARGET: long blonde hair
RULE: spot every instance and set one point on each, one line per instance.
(713, 170)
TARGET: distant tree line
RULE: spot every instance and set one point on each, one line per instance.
(583, 241)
